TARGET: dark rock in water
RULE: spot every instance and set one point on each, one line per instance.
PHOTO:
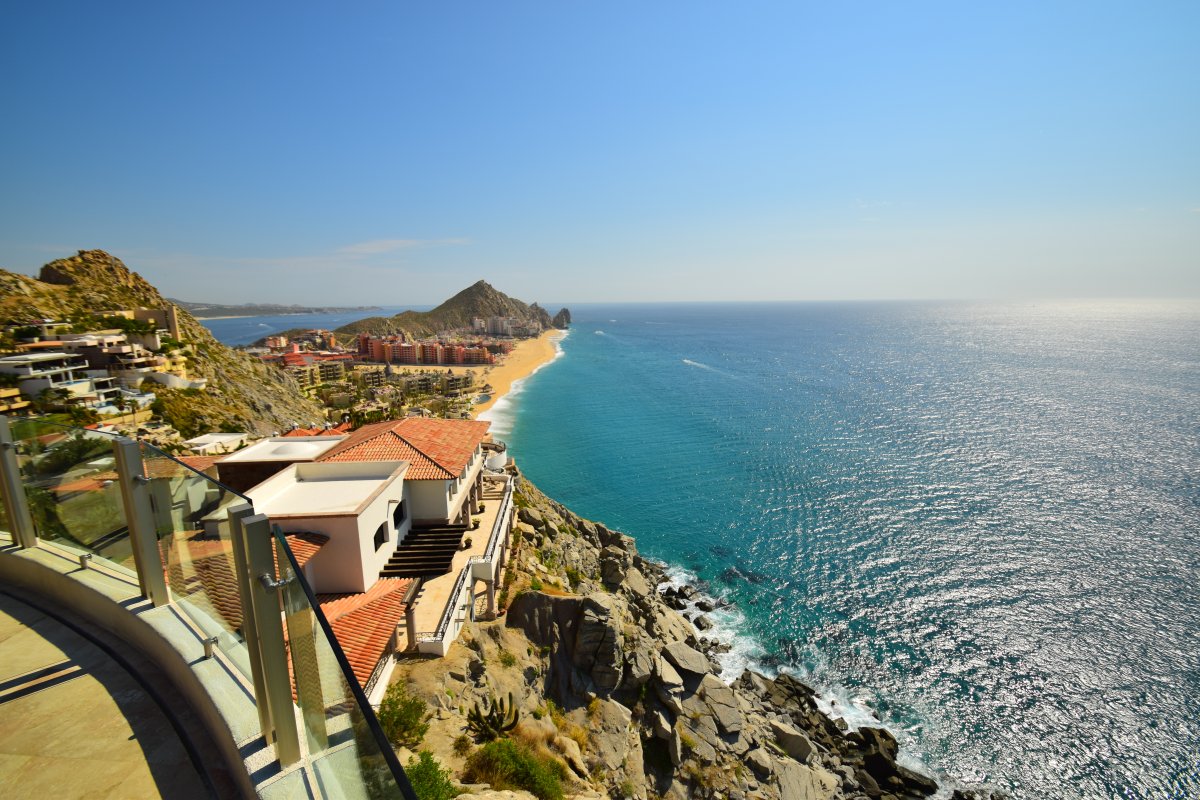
(704, 605)
(720, 550)
(976, 794)
(731, 575)
(702, 623)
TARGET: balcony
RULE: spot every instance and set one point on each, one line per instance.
(444, 603)
(117, 560)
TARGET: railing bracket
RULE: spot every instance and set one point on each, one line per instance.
(273, 585)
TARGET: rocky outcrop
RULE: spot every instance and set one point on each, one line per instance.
(562, 320)
(644, 711)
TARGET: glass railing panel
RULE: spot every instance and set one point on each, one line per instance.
(73, 490)
(191, 516)
(6, 535)
(348, 752)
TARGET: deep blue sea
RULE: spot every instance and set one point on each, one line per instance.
(980, 521)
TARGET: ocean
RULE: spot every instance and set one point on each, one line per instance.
(236, 331)
(978, 522)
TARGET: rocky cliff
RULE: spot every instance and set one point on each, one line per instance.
(562, 320)
(624, 689)
(242, 393)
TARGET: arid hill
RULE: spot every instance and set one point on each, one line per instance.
(242, 393)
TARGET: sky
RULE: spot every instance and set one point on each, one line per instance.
(393, 153)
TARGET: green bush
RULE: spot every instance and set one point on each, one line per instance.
(404, 718)
(507, 659)
(574, 576)
(507, 765)
(429, 779)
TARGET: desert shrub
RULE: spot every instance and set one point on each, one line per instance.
(507, 659)
(506, 765)
(535, 584)
(462, 744)
(574, 576)
(429, 779)
(593, 707)
(404, 718)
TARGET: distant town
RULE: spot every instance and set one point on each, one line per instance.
(106, 367)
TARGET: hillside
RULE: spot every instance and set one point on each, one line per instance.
(478, 300)
(212, 310)
(242, 393)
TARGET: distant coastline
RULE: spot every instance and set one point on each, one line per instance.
(239, 310)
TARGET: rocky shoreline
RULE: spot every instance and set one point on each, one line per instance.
(594, 631)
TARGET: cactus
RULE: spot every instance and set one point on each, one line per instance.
(491, 719)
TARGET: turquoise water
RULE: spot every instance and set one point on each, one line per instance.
(982, 522)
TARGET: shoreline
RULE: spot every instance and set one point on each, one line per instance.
(525, 359)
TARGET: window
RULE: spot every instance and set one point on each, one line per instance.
(381, 535)
(399, 515)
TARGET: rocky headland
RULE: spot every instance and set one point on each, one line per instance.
(611, 679)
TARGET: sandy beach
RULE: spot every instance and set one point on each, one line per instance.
(520, 363)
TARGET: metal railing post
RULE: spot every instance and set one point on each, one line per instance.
(19, 519)
(241, 568)
(268, 624)
(139, 516)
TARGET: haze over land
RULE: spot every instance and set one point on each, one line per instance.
(392, 154)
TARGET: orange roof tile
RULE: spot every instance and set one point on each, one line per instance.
(435, 448)
(199, 463)
(304, 546)
(365, 622)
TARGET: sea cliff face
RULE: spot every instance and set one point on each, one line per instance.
(615, 682)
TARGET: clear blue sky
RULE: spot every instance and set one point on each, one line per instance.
(394, 152)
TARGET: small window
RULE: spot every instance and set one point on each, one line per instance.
(381, 535)
(399, 516)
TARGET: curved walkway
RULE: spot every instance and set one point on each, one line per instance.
(74, 723)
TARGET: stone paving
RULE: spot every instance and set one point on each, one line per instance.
(74, 723)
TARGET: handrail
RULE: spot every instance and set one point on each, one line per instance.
(451, 605)
(498, 524)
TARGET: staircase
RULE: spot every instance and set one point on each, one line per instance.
(425, 552)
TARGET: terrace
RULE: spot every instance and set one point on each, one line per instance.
(178, 582)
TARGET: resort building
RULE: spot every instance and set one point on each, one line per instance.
(37, 372)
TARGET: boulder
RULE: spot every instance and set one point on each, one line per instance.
(531, 516)
(613, 564)
(660, 724)
(703, 751)
(760, 761)
(793, 742)
(599, 642)
(608, 734)
(686, 658)
(639, 664)
(669, 686)
(798, 782)
(636, 583)
(722, 704)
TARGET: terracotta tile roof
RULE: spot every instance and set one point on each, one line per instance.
(199, 463)
(200, 568)
(304, 546)
(435, 448)
(341, 427)
(365, 622)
